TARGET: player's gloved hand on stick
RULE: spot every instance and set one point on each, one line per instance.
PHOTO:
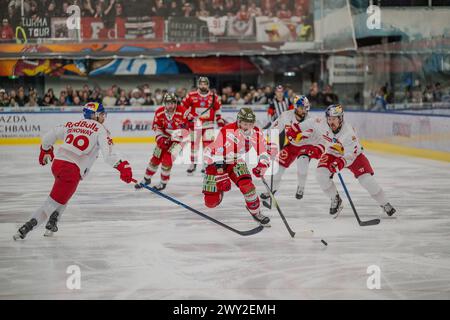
(221, 122)
(126, 174)
(46, 156)
(335, 164)
(260, 169)
(293, 133)
(223, 181)
(314, 153)
(162, 142)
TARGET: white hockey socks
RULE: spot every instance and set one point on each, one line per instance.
(326, 183)
(43, 212)
(302, 171)
(369, 183)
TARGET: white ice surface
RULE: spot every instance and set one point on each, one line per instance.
(136, 245)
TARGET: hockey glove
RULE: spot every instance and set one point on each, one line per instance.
(162, 142)
(221, 122)
(293, 133)
(335, 164)
(223, 182)
(260, 169)
(46, 156)
(126, 174)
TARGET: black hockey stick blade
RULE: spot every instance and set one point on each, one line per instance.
(369, 222)
(242, 233)
(361, 223)
(274, 201)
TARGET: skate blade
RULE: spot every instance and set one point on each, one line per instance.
(48, 233)
(339, 211)
(17, 237)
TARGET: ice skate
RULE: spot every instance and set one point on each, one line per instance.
(336, 206)
(145, 181)
(265, 197)
(27, 227)
(299, 193)
(389, 209)
(161, 186)
(262, 219)
(51, 226)
(191, 169)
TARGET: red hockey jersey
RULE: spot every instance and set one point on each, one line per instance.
(165, 126)
(232, 144)
(197, 103)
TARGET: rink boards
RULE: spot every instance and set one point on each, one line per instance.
(426, 136)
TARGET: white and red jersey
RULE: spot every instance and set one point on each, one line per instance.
(82, 141)
(311, 128)
(232, 144)
(168, 125)
(197, 103)
(347, 139)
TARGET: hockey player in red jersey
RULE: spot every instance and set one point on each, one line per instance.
(204, 109)
(82, 141)
(170, 125)
(226, 163)
(343, 150)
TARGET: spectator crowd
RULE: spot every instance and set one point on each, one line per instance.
(109, 10)
(144, 96)
(246, 94)
(411, 95)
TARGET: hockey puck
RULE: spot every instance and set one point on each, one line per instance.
(324, 242)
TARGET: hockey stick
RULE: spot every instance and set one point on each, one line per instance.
(361, 223)
(209, 108)
(271, 183)
(242, 233)
(291, 232)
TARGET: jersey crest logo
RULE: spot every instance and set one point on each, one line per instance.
(232, 137)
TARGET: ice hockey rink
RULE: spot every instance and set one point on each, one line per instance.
(137, 245)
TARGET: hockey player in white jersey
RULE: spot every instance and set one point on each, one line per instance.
(82, 142)
(343, 150)
(304, 144)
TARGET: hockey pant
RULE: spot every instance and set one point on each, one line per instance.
(288, 154)
(67, 178)
(362, 171)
